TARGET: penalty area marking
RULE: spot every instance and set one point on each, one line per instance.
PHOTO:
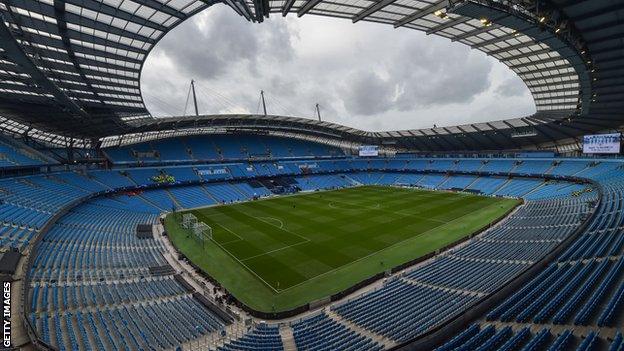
(246, 267)
(231, 231)
(282, 228)
(272, 251)
(264, 219)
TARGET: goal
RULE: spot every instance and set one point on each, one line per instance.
(188, 220)
(200, 230)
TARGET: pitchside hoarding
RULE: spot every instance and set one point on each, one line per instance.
(369, 150)
(602, 144)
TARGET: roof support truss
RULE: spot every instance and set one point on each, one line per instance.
(440, 5)
(13, 50)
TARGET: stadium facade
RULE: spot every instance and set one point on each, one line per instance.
(86, 171)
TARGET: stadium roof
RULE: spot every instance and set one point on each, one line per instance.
(72, 67)
(495, 135)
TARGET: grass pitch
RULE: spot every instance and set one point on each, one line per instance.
(279, 253)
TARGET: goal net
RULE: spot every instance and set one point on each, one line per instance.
(188, 220)
(200, 230)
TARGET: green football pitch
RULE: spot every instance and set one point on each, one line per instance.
(279, 253)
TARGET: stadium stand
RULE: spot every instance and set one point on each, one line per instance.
(323, 333)
(91, 257)
(84, 165)
(218, 147)
(16, 154)
(583, 287)
(93, 283)
(261, 337)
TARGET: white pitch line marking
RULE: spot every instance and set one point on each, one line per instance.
(246, 267)
(269, 252)
(377, 206)
(281, 223)
(224, 227)
(389, 247)
(282, 228)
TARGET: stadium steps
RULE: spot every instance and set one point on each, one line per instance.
(203, 188)
(127, 175)
(380, 178)
(500, 187)
(239, 191)
(534, 189)
(481, 167)
(214, 340)
(101, 330)
(288, 338)
(216, 149)
(551, 168)
(513, 168)
(352, 181)
(264, 145)
(471, 183)
(150, 202)
(383, 340)
(446, 179)
(64, 337)
(421, 177)
(398, 179)
(582, 170)
(95, 180)
(173, 198)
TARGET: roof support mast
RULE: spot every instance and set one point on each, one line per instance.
(194, 98)
(263, 102)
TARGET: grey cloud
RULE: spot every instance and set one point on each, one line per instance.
(219, 42)
(367, 76)
(276, 40)
(512, 87)
(366, 93)
(203, 53)
(420, 74)
(282, 86)
(433, 74)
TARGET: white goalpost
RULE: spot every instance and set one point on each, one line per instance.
(200, 230)
(188, 220)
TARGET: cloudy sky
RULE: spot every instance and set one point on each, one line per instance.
(364, 75)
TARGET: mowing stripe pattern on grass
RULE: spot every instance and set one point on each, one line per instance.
(288, 243)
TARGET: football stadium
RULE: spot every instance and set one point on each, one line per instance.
(124, 230)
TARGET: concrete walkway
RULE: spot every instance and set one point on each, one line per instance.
(288, 339)
(383, 340)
